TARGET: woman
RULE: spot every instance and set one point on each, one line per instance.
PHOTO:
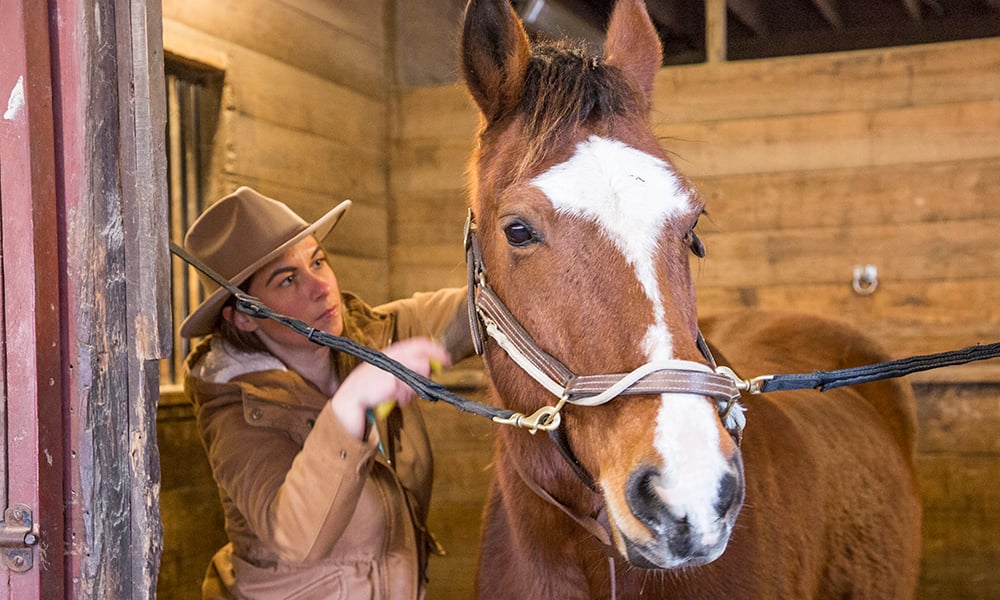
(319, 501)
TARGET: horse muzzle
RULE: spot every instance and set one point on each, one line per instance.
(681, 534)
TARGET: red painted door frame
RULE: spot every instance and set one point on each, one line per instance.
(83, 272)
(32, 303)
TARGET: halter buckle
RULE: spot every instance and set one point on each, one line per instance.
(753, 386)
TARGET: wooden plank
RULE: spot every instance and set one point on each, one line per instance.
(905, 307)
(914, 252)
(348, 15)
(838, 82)
(352, 58)
(715, 31)
(443, 112)
(957, 131)
(895, 194)
(188, 543)
(361, 233)
(958, 426)
(366, 277)
(422, 219)
(408, 280)
(268, 152)
(959, 556)
(196, 45)
(268, 89)
(960, 131)
(462, 446)
(142, 180)
(824, 141)
(443, 253)
(310, 203)
(426, 38)
(430, 166)
(961, 483)
(909, 318)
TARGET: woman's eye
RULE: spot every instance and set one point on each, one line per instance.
(518, 234)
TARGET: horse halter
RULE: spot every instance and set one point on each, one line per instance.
(488, 315)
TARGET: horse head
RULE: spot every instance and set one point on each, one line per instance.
(585, 231)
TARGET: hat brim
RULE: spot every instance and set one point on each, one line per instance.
(202, 319)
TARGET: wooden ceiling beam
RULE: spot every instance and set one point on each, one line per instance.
(913, 9)
(667, 15)
(751, 15)
(829, 11)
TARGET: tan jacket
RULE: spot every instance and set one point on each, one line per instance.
(312, 512)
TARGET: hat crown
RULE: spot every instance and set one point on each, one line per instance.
(237, 231)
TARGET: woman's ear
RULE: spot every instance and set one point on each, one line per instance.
(242, 321)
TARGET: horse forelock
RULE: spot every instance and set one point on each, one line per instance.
(566, 90)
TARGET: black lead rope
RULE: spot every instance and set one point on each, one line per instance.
(424, 387)
(433, 391)
(828, 380)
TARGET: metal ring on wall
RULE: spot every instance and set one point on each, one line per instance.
(865, 279)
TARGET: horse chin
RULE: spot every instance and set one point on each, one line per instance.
(660, 556)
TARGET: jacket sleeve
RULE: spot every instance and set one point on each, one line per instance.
(297, 502)
(441, 315)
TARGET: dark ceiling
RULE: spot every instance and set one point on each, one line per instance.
(764, 28)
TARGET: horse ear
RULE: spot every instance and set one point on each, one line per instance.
(495, 53)
(633, 45)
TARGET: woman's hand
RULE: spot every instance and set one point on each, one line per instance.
(368, 386)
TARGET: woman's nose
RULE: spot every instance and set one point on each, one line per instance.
(319, 286)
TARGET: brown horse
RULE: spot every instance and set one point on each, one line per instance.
(583, 228)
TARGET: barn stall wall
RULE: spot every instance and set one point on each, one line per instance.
(303, 118)
(811, 165)
(304, 112)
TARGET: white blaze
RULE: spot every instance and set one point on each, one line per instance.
(631, 195)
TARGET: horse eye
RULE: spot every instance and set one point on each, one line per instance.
(696, 245)
(518, 234)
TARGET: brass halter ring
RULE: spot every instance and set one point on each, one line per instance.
(546, 418)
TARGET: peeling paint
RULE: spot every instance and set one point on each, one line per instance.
(15, 102)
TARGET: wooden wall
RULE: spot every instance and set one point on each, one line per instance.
(304, 119)
(304, 112)
(811, 165)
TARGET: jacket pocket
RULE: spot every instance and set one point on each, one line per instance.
(318, 582)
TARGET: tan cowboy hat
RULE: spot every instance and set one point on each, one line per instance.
(238, 235)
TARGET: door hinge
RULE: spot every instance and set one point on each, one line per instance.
(17, 536)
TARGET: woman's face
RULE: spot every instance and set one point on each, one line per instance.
(298, 284)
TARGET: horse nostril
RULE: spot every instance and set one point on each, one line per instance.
(645, 500)
(729, 492)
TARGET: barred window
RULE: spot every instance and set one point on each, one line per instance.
(194, 96)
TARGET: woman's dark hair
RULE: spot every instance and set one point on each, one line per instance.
(244, 341)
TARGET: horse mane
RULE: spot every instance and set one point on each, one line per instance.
(566, 89)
